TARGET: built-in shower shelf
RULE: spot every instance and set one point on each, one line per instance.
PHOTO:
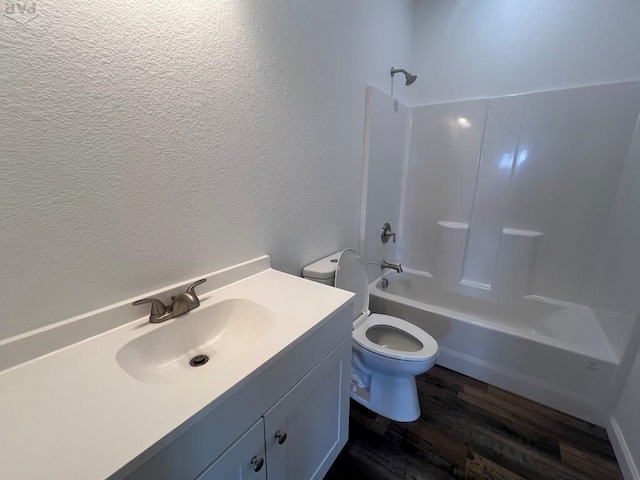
(508, 273)
(454, 225)
(521, 233)
(471, 283)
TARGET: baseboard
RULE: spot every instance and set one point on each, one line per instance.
(621, 449)
(523, 385)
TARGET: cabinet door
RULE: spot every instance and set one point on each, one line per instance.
(236, 462)
(314, 416)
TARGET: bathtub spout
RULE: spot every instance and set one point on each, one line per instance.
(393, 266)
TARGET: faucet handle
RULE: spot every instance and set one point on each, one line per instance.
(191, 288)
(157, 307)
(158, 310)
(386, 233)
(195, 301)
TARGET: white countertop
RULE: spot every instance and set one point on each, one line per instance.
(76, 414)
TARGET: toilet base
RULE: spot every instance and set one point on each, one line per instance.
(393, 397)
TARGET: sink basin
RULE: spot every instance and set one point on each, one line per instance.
(221, 331)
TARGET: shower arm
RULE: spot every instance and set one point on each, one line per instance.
(409, 77)
(398, 70)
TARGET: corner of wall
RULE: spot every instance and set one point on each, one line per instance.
(624, 455)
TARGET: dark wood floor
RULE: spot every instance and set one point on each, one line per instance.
(471, 430)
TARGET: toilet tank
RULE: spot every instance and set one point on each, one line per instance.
(322, 271)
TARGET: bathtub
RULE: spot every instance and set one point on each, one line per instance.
(552, 352)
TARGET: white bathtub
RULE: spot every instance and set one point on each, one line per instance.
(552, 352)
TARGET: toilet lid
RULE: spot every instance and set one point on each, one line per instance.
(351, 275)
(410, 343)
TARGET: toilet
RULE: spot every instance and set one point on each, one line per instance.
(387, 352)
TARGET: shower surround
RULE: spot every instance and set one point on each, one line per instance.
(503, 208)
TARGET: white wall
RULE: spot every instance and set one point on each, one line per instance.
(626, 434)
(616, 291)
(465, 49)
(576, 142)
(387, 130)
(541, 169)
(146, 142)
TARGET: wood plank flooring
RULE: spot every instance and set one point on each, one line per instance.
(471, 430)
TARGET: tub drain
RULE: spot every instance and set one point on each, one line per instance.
(199, 360)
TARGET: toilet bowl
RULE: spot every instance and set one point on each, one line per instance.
(388, 352)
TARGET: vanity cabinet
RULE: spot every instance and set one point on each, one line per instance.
(303, 433)
(293, 415)
(314, 418)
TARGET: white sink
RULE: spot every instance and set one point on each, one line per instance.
(222, 331)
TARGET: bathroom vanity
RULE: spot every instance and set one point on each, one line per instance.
(289, 422)
(271, 403)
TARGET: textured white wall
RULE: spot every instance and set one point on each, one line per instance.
(143, 143)
(465, 49)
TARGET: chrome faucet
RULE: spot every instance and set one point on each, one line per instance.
(393, 266)
(180, 304)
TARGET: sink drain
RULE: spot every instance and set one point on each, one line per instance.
(199, 360)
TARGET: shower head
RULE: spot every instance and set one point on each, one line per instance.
(410, 78)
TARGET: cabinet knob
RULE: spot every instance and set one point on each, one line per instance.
(257, 463)
(281, 436)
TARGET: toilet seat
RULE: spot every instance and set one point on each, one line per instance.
(428, 351)
(419, 346)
